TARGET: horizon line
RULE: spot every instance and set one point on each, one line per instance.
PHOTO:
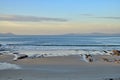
(94, 33)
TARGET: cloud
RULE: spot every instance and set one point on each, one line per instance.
(102, 17)
(22, 18)
(111, 17)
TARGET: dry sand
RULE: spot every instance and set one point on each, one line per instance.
(61, 68)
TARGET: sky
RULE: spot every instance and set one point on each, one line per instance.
(53, 17)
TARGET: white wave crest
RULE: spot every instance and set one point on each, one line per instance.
(5, 65)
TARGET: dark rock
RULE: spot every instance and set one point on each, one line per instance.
(105, 51)
(22, 57)
(116, 52)
(111, 79)
(1, 53)
(19, 56)
(15, 53)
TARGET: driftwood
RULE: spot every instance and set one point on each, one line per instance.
(19, 56)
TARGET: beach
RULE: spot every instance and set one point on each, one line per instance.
(59, 39)
(59, 58)
(60, 68)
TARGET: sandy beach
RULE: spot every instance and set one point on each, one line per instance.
(60, 68)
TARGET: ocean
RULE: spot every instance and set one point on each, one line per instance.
(60, 45)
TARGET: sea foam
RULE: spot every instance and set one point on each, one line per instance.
(4, 66)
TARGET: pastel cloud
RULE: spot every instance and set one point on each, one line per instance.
(102, 17)
(22, 18)
(37, 25)
(109, 17)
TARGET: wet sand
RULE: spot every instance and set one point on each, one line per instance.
(61, 68)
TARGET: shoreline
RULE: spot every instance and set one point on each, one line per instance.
(60, 60)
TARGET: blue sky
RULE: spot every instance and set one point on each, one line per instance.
(78, 13)
(60, 7)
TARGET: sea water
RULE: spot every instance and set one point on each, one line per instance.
(5, 65)
(54, 45)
